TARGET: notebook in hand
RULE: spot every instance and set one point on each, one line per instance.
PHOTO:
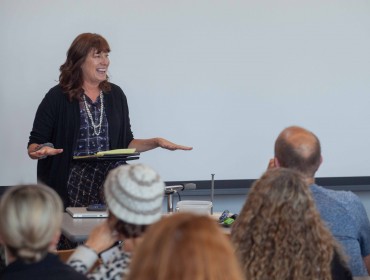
(116, 154)
(82, 212)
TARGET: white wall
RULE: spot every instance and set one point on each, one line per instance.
(223, 76)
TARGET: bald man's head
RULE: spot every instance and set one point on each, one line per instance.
(299, 149)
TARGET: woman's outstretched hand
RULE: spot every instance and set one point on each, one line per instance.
(43, 152)
(165, 144)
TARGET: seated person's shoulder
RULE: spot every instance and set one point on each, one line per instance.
(346, 197)
(339, 195)
(338, 199)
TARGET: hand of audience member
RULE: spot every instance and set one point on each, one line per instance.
(101, 238)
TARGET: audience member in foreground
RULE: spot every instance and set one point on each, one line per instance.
(185, 246)
(279, 233)
(134, 195)
(30, 221)
(299, 149)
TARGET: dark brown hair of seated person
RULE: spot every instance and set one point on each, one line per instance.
(129, 230)
(71, 78)
(185, 246)
(279, 233)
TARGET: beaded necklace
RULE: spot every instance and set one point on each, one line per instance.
(97, 127)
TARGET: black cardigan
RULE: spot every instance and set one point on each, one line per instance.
(57, 121)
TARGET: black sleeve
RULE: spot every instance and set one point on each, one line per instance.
(339, 270)
(44, 121)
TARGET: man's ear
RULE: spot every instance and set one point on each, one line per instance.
(276, 162)
(321, 160)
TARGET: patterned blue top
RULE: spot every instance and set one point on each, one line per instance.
(88, 143)
(86, 178)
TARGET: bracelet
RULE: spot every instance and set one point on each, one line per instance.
(44, 145)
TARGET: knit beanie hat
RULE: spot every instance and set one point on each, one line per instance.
(134, 194)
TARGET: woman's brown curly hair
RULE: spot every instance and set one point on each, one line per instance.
(279, 233)
(70, 78)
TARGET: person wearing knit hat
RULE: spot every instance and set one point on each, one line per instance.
(134, 196)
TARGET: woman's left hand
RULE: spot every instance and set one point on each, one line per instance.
(165, 144)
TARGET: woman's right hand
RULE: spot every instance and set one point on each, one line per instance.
(45, 151)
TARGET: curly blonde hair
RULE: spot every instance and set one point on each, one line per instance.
(279, 233)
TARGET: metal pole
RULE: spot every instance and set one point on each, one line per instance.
(212, 190)
(170, 202)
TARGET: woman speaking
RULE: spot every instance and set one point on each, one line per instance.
(82, 115)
